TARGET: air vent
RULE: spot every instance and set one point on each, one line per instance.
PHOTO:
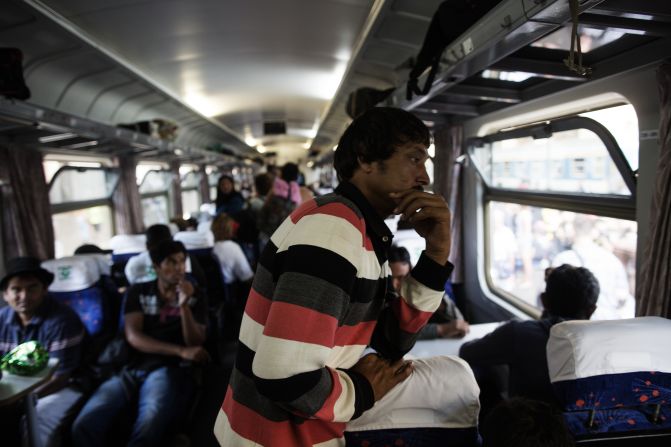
(274, 128)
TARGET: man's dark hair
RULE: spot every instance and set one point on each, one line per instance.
(571, 292)
(374, 135)
(88, 249)
(263, 183)
(399, 254)
(522, 422)
(164, 249)
(156, 234)
(289, 172)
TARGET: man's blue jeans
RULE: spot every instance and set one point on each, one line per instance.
(162, 397)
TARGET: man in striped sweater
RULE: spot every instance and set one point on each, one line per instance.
(322, 293)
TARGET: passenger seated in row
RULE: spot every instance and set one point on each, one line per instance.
(570, 293)
(140, 268)
(234, 264)
(228, 200)
(165, 325)
(447, 321)
(32, 314)
(521, 422)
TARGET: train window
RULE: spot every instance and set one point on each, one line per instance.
(155, 210)
(77, 184)
(526, 240)
(81, 206)
(573, 160)
(154, 193)
(155, 181)
(191, 199)
(622, 123)
(559, 192)
(142, 169)
(92, 225)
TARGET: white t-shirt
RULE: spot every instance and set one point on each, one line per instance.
(234, 264)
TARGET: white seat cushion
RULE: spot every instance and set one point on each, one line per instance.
(578, 349)
(441, 392)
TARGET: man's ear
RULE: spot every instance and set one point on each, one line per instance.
(590, 311)
(365, 166)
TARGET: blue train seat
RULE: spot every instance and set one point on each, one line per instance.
(436, 406)
(613, 378)
(77, 284)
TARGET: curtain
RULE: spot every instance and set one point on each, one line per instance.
(204, 186)
(176, 191)
(126, 199)
(654, 288)
(26, 213)
(447, 182)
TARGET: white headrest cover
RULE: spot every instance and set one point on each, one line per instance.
(72, 273)
(578, 348)
(195, 239)
(104, 262)
(128, 243)
(441, 392)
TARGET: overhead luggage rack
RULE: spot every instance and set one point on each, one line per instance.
(55, 131)
(506, 40)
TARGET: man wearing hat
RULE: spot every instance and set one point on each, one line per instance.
(32, 314)
(165, 323)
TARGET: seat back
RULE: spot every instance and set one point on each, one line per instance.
(124, 247)
(437, 405)
(76, 283)
(612, 377)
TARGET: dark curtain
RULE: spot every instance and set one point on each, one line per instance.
(176, 190)
(126, 199)
(447, 182)
(26, 213)
(204, 186)
(654, 286)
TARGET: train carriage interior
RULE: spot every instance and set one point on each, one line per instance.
(550, 136)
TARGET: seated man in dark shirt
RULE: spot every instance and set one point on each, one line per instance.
(570, 294)
(165, 325)
(32, 314)
(447, 321)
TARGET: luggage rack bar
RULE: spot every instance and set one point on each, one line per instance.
(511, 25)
(26, 124)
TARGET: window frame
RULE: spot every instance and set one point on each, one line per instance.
(150, 195)
(603, 205)
(195, 188)
(83, 204)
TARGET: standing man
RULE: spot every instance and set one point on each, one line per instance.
(32, 314)
(321, 290)
(165, 325)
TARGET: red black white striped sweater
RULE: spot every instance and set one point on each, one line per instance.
(317, 300)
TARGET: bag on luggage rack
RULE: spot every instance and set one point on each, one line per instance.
(363, 99)
(452, 18)
(12, 84)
